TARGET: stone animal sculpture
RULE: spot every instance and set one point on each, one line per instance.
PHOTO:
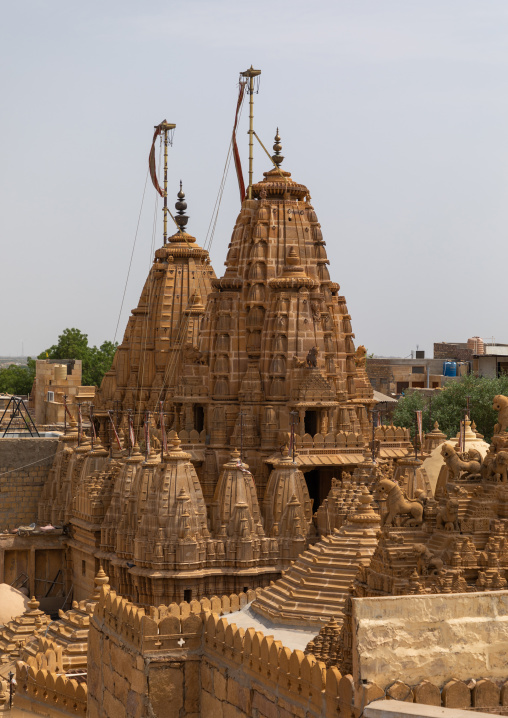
(361, 356)
(499, 466)
(311, 358)
(500, 404)
(456, 466)
(448, 517)
(398, 504)
(428, 564)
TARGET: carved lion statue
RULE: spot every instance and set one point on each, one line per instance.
(500, 404)
(500, 466)
(311, 358)
(398, 504)
(428, 563)
(448, 517)
(456, 466)
(361, 356)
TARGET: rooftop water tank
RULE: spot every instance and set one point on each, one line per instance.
(450, 368)
(476, 345)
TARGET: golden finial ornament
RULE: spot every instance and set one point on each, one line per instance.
(181, 205)
(277, 157)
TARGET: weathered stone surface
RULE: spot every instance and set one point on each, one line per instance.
(427, 693)
(456, 694)
(166, 691)
(485, 694)
(412, 637)
(210, 706)
(219, 685)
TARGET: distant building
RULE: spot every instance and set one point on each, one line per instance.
(392, 376)
(55, 379)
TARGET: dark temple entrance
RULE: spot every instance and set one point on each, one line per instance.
(319, 483)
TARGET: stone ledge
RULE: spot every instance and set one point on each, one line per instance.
(400, 709)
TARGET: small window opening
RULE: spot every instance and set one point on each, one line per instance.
(83, 568)
(187, 595)
(199, 418)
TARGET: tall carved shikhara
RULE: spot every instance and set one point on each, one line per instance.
(271, 351)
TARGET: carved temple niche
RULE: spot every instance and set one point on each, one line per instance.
(317, 234)
(254, 341)
(232, 255)
(278, 387)
(221, 387)
(330, 365)
(257, 271)
(251, 388)
(264, 212)
(257, 293)
(223, 322)
(255, 317)
(278, 365)
(222, 343)
(323, 273)
(319, 251)
(280, 343)
(221, 365)
(258, 251)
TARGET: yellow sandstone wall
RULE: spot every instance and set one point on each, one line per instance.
(24, 468)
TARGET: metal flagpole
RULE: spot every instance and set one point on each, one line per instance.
(251, 73)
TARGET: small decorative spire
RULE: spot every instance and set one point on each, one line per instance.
(181, 205)
(277, 157)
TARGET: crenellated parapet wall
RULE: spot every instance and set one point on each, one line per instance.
(189, 655)
(42, 686)
(162, 627)
(267, 677)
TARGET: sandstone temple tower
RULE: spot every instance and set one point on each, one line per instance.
(259, 359)
(277, 343)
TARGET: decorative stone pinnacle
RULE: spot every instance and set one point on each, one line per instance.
(277, 157)
(181, 205)
(101, 579)
(293, 257)
(33, 604)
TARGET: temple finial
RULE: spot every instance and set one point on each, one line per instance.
(277, 157)
(181, 205)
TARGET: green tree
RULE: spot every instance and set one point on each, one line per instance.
(16, 379)
(448, 405)
(73, 344)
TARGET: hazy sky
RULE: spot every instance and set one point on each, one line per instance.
(393, 113)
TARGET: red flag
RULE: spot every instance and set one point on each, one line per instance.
(236, 154)
(151, 160)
